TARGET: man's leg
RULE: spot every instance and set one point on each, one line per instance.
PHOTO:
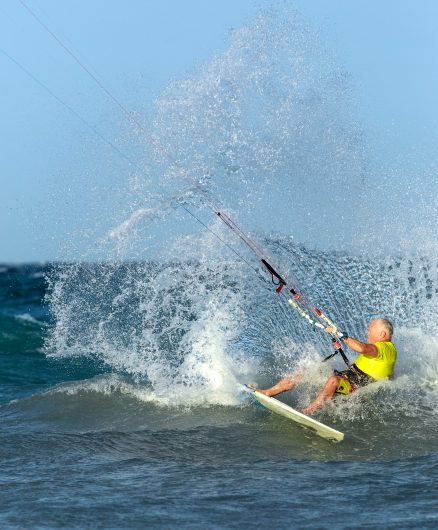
(287, 383)
(325, 395)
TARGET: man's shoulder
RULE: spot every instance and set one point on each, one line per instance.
(387, 346)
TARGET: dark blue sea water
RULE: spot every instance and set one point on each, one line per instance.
(153, 433)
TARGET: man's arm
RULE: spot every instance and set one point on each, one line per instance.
(357, 345)
(361, 347)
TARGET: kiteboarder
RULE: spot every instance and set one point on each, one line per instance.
(376, 361)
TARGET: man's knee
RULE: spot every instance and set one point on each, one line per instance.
(332, 382)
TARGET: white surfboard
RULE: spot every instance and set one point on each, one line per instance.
(278, 407)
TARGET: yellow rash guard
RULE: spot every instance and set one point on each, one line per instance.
(380, 366)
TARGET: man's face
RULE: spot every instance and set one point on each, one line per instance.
(375, 333)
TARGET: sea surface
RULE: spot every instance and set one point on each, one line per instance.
(113, 417)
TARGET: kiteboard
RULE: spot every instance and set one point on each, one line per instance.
(274, 405)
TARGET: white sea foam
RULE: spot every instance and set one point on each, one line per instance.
(109, 385)
(26, 317)
(418, 358)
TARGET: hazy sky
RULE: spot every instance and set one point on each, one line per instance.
(136, 47)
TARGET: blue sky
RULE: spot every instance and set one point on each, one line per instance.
(49, 157)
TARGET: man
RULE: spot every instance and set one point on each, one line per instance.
(376, 361)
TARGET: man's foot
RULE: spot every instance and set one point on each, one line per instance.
(253, 387)
(287, 383)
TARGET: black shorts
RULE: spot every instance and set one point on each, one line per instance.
(351, 380)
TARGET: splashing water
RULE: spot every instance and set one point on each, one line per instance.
(267, 126)
(268, 129)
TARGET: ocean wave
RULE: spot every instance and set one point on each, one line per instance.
(27, 317)
(20, 334)
(371, 419)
